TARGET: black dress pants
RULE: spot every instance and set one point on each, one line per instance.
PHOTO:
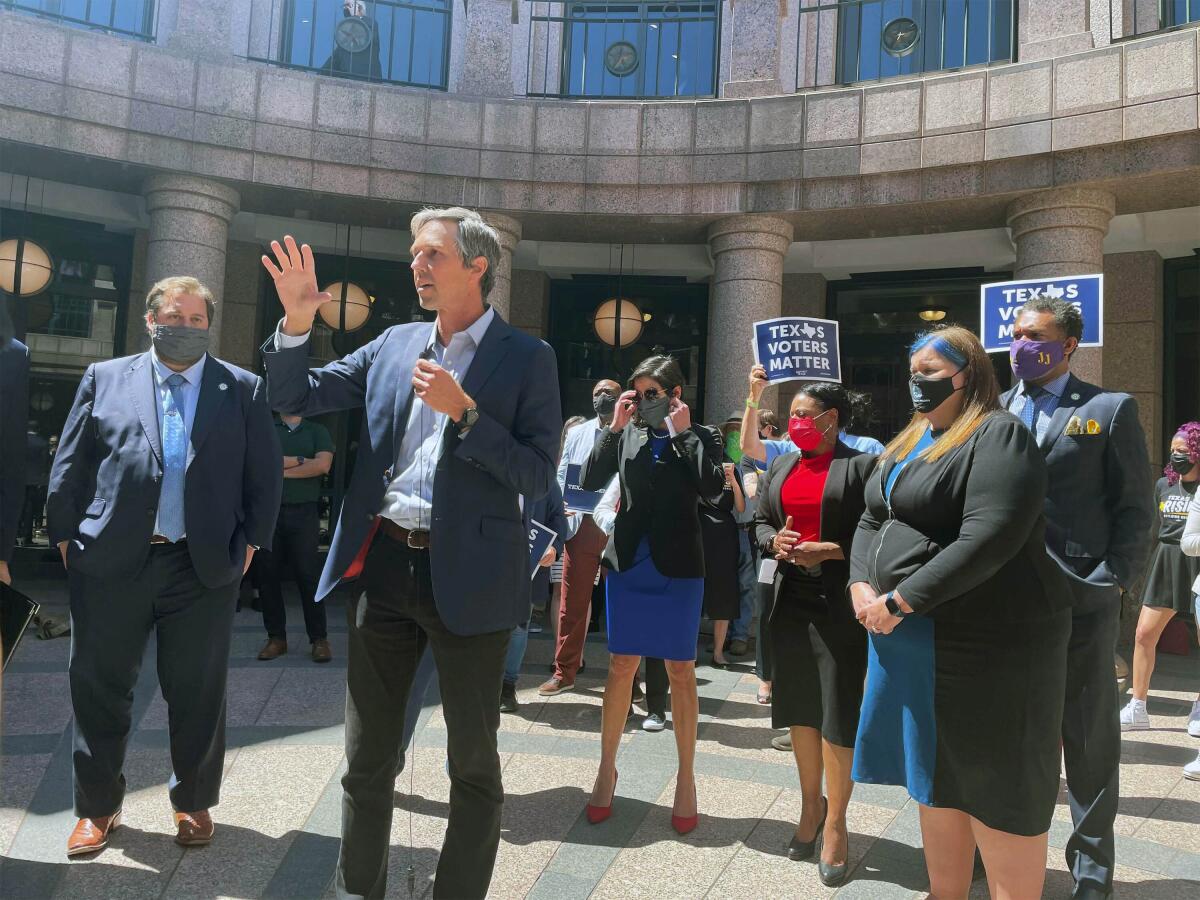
(658, 685)
(294, 552)
(111, 620)
(390, 622)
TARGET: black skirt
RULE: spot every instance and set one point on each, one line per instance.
(819, 663)
(1169, 579)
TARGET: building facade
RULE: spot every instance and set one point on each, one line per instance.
(715, 163)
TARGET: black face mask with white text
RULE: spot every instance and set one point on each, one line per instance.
(930, 393)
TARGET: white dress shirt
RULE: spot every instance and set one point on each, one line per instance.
(189, 396)
(576, 450)
(408, 500)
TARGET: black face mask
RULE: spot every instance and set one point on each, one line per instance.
(604, 404)
(1182, 463)
(930, 393)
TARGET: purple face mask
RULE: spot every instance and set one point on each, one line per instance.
(1031, 360)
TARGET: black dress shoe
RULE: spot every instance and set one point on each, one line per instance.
(797, 850)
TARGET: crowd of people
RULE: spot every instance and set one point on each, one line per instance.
(939, 612)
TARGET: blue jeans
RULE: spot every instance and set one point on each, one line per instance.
(516, 653)
(739, 628)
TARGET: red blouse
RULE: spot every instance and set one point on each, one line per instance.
(801, 494)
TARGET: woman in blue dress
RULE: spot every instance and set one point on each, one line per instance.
(655, 558)
(968, 619)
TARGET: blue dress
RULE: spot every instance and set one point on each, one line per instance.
(650, 614)
(897, 730)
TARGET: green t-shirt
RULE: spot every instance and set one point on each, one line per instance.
(309, 439)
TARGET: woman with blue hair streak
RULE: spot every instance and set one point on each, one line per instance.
(968, 621)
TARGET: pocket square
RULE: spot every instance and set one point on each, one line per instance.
(1074, 426)
(1093, 427)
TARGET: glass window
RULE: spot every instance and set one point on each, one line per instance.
(131, 18)
(1180, 12)
(376, 40)
(1181, 344)
(638, 49)
(885, 38)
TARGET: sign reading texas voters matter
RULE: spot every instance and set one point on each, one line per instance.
(798, 347)
(540, 539)
(1001, 303)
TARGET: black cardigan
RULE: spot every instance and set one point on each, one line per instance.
(964, 537)
(658, 499)
(841, 507)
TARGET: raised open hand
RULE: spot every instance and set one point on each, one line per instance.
(295, 279)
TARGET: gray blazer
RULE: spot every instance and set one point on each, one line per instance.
(107, 474)
(479, 549)
(1100, 498)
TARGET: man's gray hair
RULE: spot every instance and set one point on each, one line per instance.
(1066, 314)
(475, 238)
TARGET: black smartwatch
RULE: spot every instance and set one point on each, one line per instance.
(892, 606)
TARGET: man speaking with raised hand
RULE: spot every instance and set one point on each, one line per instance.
(462, 419)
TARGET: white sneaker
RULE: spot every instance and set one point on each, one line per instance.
(1194, 720)
(654, 722)
(1192, 770)
(1134, 716)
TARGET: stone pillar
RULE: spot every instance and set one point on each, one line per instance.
(754, 49)
(746, 286)
(189, 230)
(1061, 232)
(487, 49)
(529, 305)
(510, 235)
(803, 295)
(202, 26)
(1053, 28)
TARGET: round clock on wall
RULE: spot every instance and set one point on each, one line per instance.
(621, 58)
(900, 36)
(352, 35)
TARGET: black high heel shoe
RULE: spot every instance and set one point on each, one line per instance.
(798, 851)
(833, 875)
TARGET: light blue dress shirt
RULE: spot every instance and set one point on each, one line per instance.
(1047, 403)
(189, 395)
(408, 500)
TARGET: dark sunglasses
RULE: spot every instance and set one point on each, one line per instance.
(651, 395)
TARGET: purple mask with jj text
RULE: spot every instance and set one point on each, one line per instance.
(1031, 360)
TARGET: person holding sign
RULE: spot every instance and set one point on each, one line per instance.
(968, 619)
(810, 501)
(585, 542)
(1099, 512)
(666, 464)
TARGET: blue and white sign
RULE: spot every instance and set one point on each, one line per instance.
(577, 499)
(1000, 304)
(540, 539)
(796, 347)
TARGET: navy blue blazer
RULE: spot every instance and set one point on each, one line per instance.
(14, 416)
(1100, 496)
(107, 474)
(479, 547)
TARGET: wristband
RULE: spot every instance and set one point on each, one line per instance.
(753, 404)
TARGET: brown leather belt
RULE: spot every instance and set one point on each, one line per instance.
(163, 539)
(417, 539)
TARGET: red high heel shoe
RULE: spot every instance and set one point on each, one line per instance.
(685, 824)
(597, 814)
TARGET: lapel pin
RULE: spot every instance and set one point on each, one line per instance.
(222, 386)
(1074, 396)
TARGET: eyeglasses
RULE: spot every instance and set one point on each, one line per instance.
(800, 415)
(649, 395)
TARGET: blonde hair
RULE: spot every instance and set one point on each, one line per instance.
(981, 393)
(179, 284)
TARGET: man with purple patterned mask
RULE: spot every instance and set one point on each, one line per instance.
(1041, 348)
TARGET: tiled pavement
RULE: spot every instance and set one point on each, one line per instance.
(279, 815)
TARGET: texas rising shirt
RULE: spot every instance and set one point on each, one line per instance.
(1173, 503)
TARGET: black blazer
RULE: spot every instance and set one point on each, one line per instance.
(14, 414)
(842, 504)
(964, 538)
(659, 499)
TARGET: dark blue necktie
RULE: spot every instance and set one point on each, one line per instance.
(170, 498)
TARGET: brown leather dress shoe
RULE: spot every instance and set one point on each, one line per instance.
(91, 835)
(321, 651)
(273, 649)
(194, 829)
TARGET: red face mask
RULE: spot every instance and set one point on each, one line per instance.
(804, 432)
